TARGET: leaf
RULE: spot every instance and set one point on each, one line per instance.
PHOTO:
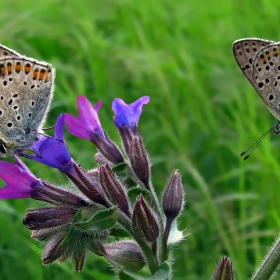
(121, 169)
(100, 221)
(133, 193)
(120, 232)
(74, 235)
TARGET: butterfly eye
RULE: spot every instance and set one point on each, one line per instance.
(3, 148)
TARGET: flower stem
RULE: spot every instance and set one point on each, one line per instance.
(145, 247)
(270, 262)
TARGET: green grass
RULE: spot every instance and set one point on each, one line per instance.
(203, 112)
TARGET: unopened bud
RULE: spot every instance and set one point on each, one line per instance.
(60, 196)
(113, 188)
(125, 255)
(127, 134)
(172, 200)
(108, 148)
(223, 270)
(53, 250)
(46, 233)
(48, 217)
(88, 186)
(95, 174)
(145, 223)
(139, 160)
(79, 256)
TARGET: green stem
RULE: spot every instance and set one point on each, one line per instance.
(270, 262)
(156, 207)
(145, 246)
(166, 235)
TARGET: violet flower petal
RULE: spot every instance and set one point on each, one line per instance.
(88, 122)
(128, 114)
(53, 151)
(20, 181)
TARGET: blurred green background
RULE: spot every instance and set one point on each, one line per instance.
(203, 112)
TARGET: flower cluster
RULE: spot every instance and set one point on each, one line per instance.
(115, 201)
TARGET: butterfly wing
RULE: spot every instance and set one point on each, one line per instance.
(266, 76)
(26, 90)
(5, 52)
(244, 51)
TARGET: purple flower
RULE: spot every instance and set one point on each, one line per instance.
(128, 114)
(20, 181)
(53, 151)
(126, 119)
(87, 124)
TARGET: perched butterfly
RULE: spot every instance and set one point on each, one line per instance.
(26, 91)
(259, 60)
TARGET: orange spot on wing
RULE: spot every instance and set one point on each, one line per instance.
(9, 68)
(2, 69)
(275, 52)
(27, 68)
(35, 74)
(47, 78)
(18, 67)
(42, 74)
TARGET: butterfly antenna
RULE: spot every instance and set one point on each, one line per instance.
(257, 142)
(48, 128)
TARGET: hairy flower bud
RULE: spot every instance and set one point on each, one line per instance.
(139, 160)
(47, 233)
(88, 186)
(113, 188)
(172, 200)
(53, 249)
(48, 217)
(144, 220)
(60, 196)
(125, 255)
(127, 135)
(223, 270)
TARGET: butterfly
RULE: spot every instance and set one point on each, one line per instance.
(259, 60)
(26, 91)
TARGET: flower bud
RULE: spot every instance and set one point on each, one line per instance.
(88, 186)
(125, 255)
(95, 174)
(59, 196)
(53, 249)
(48, 217)
(139, 160)
(172, 200)
(223, 270)
(79, 256)
(145, 222)
(47, 233)
(127, 134)
(108, 148)
(113, 188)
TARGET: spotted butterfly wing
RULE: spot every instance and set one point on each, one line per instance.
(266, 77)
(26, 90)
(244, 51)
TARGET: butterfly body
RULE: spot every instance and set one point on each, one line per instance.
(26, 90)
